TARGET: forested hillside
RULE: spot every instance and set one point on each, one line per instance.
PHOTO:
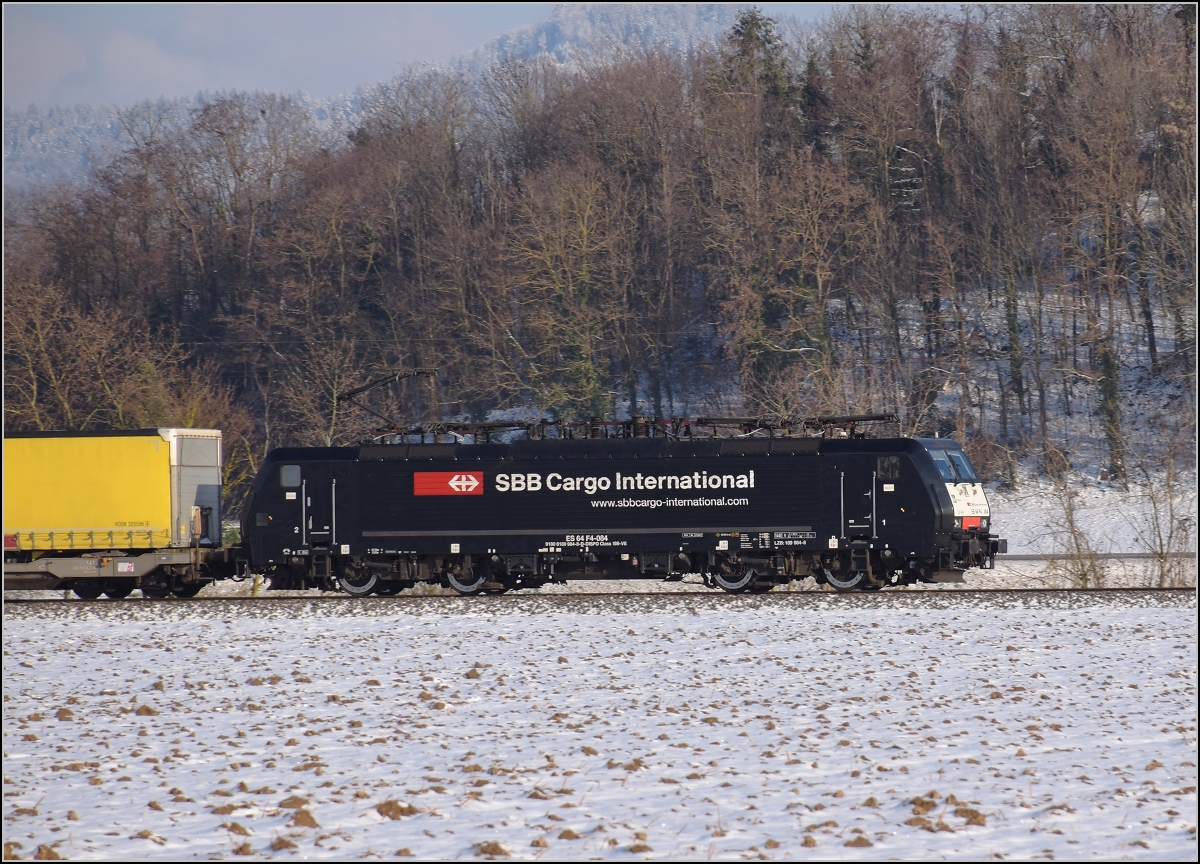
(982, 219)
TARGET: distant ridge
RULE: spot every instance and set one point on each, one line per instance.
(575, 32)
(43, 146)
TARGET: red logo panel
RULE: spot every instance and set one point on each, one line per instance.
(448, 483)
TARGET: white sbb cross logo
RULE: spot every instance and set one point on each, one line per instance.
(463, 483)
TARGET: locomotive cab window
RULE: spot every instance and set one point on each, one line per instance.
(889, 468)
(289, 476)
(962, 466)
(943, 465)
(954, 466)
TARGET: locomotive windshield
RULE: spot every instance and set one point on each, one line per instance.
(954, 466)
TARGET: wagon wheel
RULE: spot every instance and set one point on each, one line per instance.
(358, 583)
(855, 580)
(389, 587)
(187, 590)
(466, 579)
(156, 592)
(87, 589)
(733, 578)
(118, 589)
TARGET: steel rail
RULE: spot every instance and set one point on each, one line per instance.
(1103, 556)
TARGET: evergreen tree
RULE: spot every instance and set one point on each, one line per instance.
(754, 64)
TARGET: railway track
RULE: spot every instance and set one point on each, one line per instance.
(686, 602)
(1101, 556)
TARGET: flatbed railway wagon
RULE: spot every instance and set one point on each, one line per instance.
(108, 512)
(747, 513)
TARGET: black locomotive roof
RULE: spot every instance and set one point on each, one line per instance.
(611, 448)
(603, 448)
(607, 448)
(311, 454)
(939, 443)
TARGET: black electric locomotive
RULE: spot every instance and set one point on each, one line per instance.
(747, 513)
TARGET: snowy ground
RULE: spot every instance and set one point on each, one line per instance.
(1107, 517)
(775, 728)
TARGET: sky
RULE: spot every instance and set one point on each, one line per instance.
(119, 54)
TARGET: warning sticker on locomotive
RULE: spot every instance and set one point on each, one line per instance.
(448, 483)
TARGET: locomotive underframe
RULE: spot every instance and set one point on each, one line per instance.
(857, 565)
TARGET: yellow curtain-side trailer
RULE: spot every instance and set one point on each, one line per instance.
(96, 511)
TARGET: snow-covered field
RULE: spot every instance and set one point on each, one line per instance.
(1107, 518)
(776, 728)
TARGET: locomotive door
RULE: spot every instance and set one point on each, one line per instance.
(320, 508)
(889, 518)
(289, 511)
(857, 482)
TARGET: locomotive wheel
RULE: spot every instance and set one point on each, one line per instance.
(855, 580)
(118, 589)
(88, 589)
(358, 583)
(466, 579)
(389, 588)
(735, 581)
(187, 590)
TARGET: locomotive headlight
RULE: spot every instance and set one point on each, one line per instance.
(958, 523)
(983, 524)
